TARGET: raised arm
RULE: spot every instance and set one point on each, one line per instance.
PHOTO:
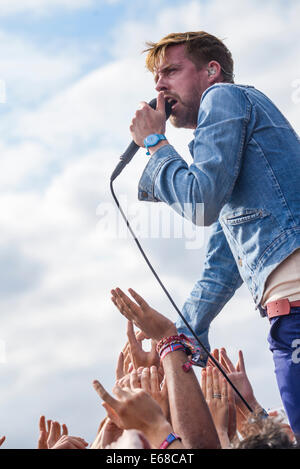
(190, 415)
(219, 141)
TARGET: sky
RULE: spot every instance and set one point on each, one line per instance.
(72, 75)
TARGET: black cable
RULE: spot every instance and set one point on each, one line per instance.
(174, 305)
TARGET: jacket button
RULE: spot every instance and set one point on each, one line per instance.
(144, 194)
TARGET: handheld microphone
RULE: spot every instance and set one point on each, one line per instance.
(133, 147)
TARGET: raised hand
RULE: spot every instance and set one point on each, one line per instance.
(138, 356)
(215, 390)
(151, 322)
(70, 442)
(136, 409)
(56, 432)
(239, 378)
(150, 382)
(50, 434)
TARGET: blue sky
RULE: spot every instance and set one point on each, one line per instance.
(74, 76)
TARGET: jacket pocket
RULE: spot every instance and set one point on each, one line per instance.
(244, 216)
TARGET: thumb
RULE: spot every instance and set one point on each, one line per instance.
(160, 103)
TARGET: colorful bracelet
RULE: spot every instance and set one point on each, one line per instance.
(170, 348)
(173, 343)
(170, 438)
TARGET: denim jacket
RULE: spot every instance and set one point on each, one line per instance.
(246, 172)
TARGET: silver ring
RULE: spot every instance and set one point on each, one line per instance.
(217, 396)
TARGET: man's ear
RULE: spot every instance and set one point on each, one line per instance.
(214, 71)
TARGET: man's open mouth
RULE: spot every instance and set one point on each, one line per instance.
(172, 101)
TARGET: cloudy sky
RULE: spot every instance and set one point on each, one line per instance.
(71, 77)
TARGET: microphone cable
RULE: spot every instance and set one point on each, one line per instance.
(113, 177)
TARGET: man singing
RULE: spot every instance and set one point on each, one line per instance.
(245, 173)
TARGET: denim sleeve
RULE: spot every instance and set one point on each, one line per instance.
(219, 280)
(218, 146)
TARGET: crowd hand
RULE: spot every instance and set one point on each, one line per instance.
(2, 439)
(107, 435)
(151, 322)
(70, 442)
(232, 409)
(140, 357)
(135, 409)
(237, 374)
(150, 383)
(148, 121)
(51, 433)
(215, 391)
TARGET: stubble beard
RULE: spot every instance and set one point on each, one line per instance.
(185, 117)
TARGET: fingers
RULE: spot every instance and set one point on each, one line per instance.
(2, 439)
(215, 382)
(124, 304)
(120, 367)
(145, 380)
(154, 381)
(228, 363)
(209, 384)
(42, 424)
(140, 336)
(77, 443)
(215, 354)
(105, 396)
(160, 103)
(64, 430)
(224, 390)
(54, 434)
(131, 334)
(134, 380)
(127, 359)
(140, 301)
(241, 363)
(49, 425)
(112, 415)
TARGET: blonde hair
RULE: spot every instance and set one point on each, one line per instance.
(200, 48)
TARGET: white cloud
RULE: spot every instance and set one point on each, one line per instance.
(44, 7)
(31, 74)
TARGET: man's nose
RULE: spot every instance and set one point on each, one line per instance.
(161, 84)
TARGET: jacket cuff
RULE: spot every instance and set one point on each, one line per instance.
(154, 165)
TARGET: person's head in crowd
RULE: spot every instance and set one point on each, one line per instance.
(266, 434)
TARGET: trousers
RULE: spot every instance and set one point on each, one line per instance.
(284, 342)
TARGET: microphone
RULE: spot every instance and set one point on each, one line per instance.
(132, 148)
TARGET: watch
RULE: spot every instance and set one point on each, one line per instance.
(153, 140)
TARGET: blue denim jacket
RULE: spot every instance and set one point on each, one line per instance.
(246, 172)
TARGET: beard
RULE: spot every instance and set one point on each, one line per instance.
(185, 115)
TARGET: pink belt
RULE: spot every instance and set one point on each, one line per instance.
(280, 307)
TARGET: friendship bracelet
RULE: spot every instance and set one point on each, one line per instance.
(171, 348)
(181, 339)
(170, 438)
(175, 345)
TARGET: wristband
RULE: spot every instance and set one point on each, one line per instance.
(170, 348)
(170, 438)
